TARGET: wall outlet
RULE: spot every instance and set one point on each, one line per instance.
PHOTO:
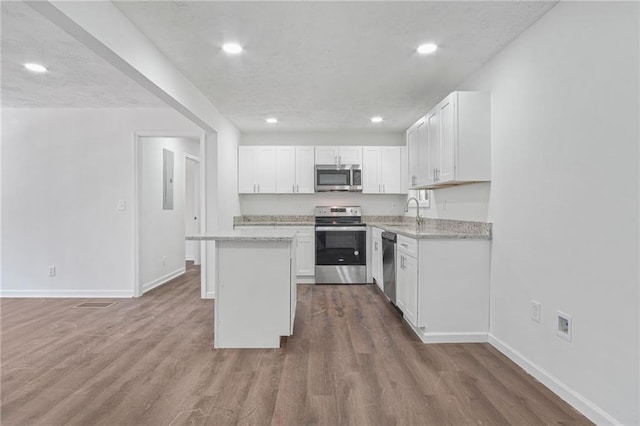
(122, 205)
(52, 271)
(564, 326)
(535, 311)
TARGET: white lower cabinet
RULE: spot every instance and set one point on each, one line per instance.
(305, 253)
(376, 256)
(305, 249)
(407, 282)
(442, 288)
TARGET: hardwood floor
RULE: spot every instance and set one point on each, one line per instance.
(149, 361)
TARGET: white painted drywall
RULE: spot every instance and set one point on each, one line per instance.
(161, 241)
(63, 172)
(303, 204)
(381, 138)
(564, 202)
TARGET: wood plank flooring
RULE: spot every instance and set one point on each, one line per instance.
(351, 361)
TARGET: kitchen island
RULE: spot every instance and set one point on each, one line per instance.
(255, 286)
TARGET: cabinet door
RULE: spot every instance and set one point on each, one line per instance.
(304, 170)
(407, 286)
(285, 169)
(390, 170)
(422, 144)
(371, 170)
(265, 169)
(350, 155)
(404, 170)
(412, 156)
(433, 138)
(410, 289)
(306, 261)
(447, 112)
(326, 155)
(246, 170)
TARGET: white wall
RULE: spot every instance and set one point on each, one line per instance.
(162, 245)
(63, 172)
(303, 204)
(564, 202)
(380, 138)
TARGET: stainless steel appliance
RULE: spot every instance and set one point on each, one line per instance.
(389, 243)
(341, 246)
(344, 177)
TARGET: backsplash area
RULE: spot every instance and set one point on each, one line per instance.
(303, 204)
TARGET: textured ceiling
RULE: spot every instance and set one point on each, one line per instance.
(314, 65)
(329, 65)
(77, 77)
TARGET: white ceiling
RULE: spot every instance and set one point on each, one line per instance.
(77, 77)
(314, 65)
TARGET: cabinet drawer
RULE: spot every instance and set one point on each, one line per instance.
(408, 245)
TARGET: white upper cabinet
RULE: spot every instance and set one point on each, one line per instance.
(417, 155)
(256, 169)
(371, 170)
(305, 170)
(286, 169)
(455, 146)
(391, 169)
(294, 169)
(382, 170)
(338, 155)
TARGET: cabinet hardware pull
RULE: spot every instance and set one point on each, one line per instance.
(254, 187)
(383, 190)
(293, 187)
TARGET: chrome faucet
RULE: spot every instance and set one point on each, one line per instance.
(419, 220)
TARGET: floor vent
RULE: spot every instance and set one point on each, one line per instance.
(95, 305)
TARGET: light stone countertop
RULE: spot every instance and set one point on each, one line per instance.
(246, 234)
(402, 225)
(432, 232)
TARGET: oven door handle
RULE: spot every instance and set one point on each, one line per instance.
(342, 228)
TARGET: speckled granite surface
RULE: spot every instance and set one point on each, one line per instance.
(247, 234)
(403, 225)
(271, 220)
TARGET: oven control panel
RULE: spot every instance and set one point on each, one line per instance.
(337, 211)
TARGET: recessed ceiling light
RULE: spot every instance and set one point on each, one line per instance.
(35, 67)
(376, 119)
(232, 48)
(272, 120)
(427, 48)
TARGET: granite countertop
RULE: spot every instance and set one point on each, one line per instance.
(274, 220)
(432, 232)
(246, 234)
(402, 225)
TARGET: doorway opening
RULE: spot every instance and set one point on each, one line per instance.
(169, 204)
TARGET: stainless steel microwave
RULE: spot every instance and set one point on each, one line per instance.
(344, 177)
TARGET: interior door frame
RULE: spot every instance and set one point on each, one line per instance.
(137, 135)
(186, 157)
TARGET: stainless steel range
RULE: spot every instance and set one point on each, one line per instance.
(341, 246)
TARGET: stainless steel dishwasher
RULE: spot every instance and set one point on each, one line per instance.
(389, 240)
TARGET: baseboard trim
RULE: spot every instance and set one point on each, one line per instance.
(190, 258)
(159, 281)
(305, 280)
(67, 294)
(210, 295)
(472, 337)
(573, 398)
